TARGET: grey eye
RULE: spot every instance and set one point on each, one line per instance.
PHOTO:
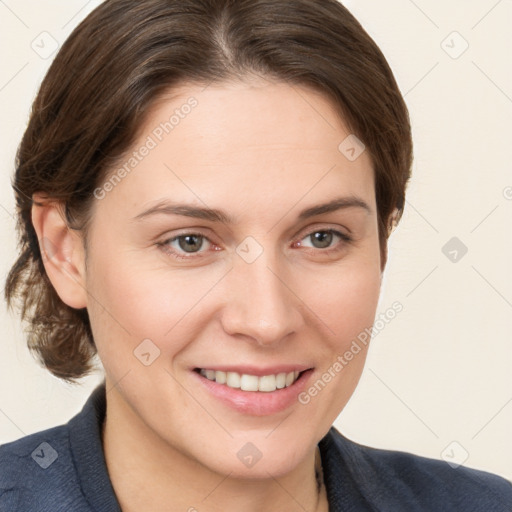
(323, 239)
(190, 243)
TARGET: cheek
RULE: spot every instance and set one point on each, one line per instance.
(346, 302)
(134, 301)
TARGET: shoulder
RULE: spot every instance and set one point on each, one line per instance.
(37, 472)
(411, 482)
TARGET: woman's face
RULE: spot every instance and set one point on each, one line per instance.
(207, 253)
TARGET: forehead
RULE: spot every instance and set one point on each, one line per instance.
(240, 114)
(262, 140)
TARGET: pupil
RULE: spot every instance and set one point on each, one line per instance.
(324, 237)
(190, 242)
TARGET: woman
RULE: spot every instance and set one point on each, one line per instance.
(205, 191)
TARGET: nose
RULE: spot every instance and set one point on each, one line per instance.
(261, 304)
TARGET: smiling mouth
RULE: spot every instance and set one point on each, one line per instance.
(247, 382)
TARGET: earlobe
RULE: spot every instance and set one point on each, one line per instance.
(392, 223)
(61, 250)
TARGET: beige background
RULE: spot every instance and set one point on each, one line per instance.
(438, 378)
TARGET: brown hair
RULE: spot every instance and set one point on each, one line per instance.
(123, 57)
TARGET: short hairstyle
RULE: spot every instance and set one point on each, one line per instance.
(127, 54)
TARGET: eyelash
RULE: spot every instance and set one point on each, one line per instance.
(345, 239)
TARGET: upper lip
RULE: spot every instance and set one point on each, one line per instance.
(257, 370)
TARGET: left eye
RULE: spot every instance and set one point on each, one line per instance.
(322, 239)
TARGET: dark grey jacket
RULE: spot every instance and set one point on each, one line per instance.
(63, 469)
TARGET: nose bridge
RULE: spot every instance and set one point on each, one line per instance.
(261, 306)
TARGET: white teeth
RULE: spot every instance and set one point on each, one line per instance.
(245, 382)
(280, 380)
(249, 382)
(267, 383)
(233, 379)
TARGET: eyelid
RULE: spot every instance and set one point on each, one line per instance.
(326, 227)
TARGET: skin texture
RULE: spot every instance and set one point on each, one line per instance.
(262, 152)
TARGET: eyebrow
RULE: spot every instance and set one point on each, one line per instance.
(215, 215)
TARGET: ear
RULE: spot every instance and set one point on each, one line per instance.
(61, 249)
(392, 223)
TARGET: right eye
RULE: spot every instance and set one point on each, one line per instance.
(186, 243)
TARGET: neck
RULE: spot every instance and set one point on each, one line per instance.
(148, 473)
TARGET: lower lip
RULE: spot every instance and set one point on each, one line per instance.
(256, 403)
